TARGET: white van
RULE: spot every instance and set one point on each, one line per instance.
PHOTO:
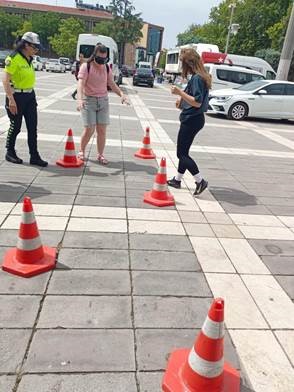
(37, 63)
(230, 76)
(86, 45)
(255, 63)
(145, 64)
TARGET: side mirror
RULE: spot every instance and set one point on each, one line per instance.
(262, 92)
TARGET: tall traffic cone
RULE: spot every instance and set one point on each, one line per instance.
(70, 159)
(202, 369)
(30, 257)
(159, 195)
(146, 152)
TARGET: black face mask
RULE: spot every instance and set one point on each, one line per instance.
(101, 60)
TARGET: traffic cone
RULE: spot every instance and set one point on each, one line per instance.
(159, 195)
(146, 152)
(202, 369)
(29, 258)
(70, 159)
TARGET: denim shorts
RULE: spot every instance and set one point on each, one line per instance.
(96, 111)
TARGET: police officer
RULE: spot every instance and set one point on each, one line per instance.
(18, 82)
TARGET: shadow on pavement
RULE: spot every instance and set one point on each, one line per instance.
(233, 196)
(10, 193)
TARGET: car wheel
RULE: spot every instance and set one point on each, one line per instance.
(238, 111)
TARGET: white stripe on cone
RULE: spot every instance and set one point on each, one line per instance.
(205, 368)
(159, 187)
(147, 146)
(70, 139)
(161, 170)
(31, 244)
(28, 217)
(70, 153)
(213, 329)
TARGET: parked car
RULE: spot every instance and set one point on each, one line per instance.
(3, 55)
(127, 70)
(143, 76)
(262, 98)
(54, 65)
(44, 60)
(228, 76)
(66, 62)
(37, 63)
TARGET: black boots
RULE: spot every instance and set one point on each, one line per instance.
(38, 161)
(12, 157)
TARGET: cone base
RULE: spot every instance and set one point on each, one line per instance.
(62, 163)
(170, 201)
(13, 266)
(173, 382)
(141, 155)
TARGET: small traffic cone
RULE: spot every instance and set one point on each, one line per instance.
(70, 159)
(159, 195)
(30, 257)
(146, 152)
(202, 369)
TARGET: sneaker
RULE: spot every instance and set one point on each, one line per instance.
(73, 95)
(174, 183)
(200, 187)
(12, 157)
(38, 161)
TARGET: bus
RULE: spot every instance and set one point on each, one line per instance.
(173, 66)
(86, 44)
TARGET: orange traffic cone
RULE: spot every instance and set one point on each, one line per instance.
(202, 369)
(69, 158)
(29, 258)
(146, 152)
(159, 195)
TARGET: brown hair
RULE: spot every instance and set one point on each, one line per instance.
(192, 64)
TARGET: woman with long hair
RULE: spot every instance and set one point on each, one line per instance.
(194, 103)
(94, 77)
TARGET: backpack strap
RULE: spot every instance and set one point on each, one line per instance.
(89, 65)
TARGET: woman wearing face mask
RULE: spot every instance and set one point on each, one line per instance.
(94, 77)
(194, 102)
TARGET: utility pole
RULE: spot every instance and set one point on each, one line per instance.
(232, 7)
(287, 52)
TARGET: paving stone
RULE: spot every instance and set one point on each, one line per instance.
(7, 383)
(150, 382)
(154, 346)
(92, 259)
(218, 218)
(18, 311)
(287, 283)
(94, 282)
(160, 312)
(165, 261)
(192, 217)
(273, 247)
(13, 343)
(86, 312)
(170, 283)
(160, 242)
(60, 351)
(94, 240)
(111, 192)
(279, 265)
(13, 284)
(100, 201)
(53, 198)
(103, 382)
(286, 339)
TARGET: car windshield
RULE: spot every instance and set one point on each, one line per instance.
(252, 85)
(146, 71)
(4, 53)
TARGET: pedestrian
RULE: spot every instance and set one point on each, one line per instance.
(19, 82)
(94, 77)
(193, 102)
(76, 72)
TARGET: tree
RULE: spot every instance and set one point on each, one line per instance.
(46, 25)
(126, 24)
(104, 27)
(8, 24)
(26, 26)
(64, 43)
(189, 36)
(270, 55)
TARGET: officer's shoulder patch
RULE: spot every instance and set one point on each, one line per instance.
(7, 61)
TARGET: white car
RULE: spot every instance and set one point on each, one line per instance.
(54, 65)
(261, 98)
(37, 63)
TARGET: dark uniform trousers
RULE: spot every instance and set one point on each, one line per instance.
(26, 107)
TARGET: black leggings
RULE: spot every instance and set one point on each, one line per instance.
(188, 131)
(26, 107)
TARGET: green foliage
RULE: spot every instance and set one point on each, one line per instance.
(162, 59)
(104, 28)
(8, 24)
(189, 36)
(64, 42)
(46, 25)
(271, 56)
(26, 26)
